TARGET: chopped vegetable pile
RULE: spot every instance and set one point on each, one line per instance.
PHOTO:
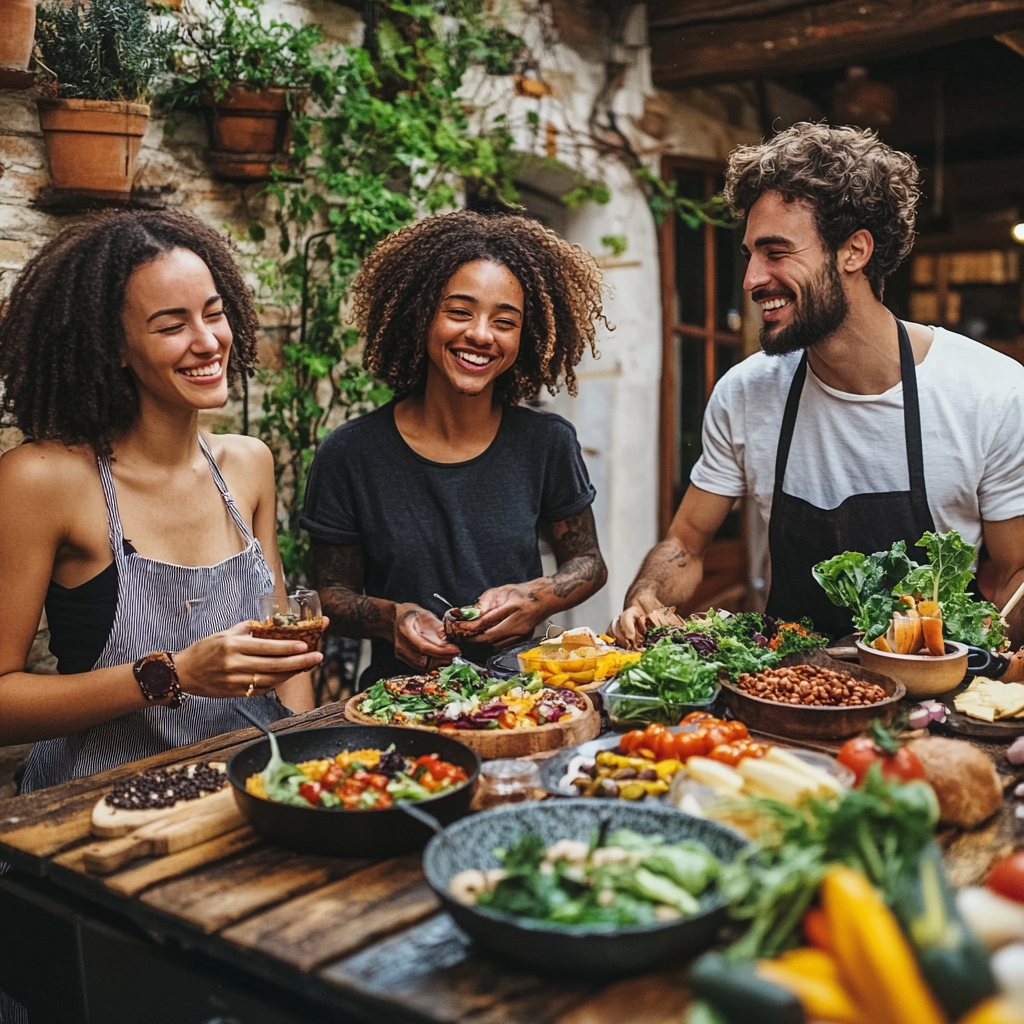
(458, 697)
(356, 780)
(881, 590)
(630, 879)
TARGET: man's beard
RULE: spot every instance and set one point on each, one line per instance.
(819, 314)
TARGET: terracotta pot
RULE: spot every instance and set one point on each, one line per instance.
(18, 18)
(92, 144)
(250, 131)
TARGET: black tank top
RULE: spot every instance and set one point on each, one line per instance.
(81, 618)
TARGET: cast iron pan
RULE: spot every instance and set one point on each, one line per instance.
(350, 833)
(590, 949)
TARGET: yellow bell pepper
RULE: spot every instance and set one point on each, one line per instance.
(815, 982)
(875, 961)
(993, 1011)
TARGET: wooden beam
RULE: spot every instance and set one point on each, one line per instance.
(813, 36)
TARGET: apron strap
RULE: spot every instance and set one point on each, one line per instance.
(789, 422)
(225, 493)
(113, 519)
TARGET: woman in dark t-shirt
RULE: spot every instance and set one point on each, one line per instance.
(445, 489)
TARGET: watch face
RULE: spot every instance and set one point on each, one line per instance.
(156, 678)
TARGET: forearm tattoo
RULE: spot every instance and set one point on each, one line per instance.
(661, 564)
(337, 573)
(581, 569)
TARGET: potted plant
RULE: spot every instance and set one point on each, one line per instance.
(250, 77)
(18, 18)
(99, 59)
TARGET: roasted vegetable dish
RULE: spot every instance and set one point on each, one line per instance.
(630, 879)
(458, 697)
(356, 780)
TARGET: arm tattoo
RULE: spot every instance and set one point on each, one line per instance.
(337, 573)
(580, 565)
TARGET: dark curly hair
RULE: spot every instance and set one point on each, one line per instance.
(398, 289)
(851, 178)
(61, 335)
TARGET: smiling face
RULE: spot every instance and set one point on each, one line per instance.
(177, 338)
(474, 337)
(791, 276)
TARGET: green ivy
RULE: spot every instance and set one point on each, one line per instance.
(663, 201)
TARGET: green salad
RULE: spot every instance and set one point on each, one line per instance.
(629, 879)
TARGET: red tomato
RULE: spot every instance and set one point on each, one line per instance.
(718, 734)
(377, 781)
(660, 742)
(860, 753)
(690, 744)
(1007, 877)
(697, 716)
(752, 749)
(632, 741)
(728, 753)
(311, 792)
(332, 776)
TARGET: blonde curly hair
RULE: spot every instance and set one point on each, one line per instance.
(397, 291)
(851, 178)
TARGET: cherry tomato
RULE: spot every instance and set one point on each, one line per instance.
(718, 734)
(377, 781)
(860, 753)
(507, 720)
(697, 716)
(752, 749)
(311, 791)
(660, 742)
(1007, 877)
(384, 800)
(632, 741)
(728, 753)
(690, 744)
(332, 777)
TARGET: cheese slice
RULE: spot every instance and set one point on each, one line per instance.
(989, 700)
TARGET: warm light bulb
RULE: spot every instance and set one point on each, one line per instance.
(1018, 232)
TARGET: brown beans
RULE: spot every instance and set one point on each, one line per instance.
(810, 685)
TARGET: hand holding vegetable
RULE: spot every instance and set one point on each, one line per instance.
(508, 613)
(419, 637)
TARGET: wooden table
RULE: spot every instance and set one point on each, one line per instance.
(241, 930)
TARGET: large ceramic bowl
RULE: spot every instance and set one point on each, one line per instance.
(570, 949)
(922, 674)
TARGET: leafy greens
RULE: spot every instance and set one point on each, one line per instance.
(870, 585)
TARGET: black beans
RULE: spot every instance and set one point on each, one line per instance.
(164, 787)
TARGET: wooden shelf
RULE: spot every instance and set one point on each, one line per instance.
(66, 201)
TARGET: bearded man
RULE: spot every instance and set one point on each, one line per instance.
(850, 429)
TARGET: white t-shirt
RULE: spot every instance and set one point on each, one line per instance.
(972, 431)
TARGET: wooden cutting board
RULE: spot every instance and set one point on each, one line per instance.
(180, 829)
(498, 743)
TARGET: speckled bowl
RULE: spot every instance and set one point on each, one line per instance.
(591, 949)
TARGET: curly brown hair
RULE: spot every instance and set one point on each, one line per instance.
(398, 289)
(851, 178)
(61, 334)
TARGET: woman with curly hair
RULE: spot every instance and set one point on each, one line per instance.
(149, 543)
(440, 495)
(851, 430)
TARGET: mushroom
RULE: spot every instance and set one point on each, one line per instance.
(467, 885)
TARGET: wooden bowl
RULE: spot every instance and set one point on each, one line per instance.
(922, 674)
(491, 744)
(807, 722)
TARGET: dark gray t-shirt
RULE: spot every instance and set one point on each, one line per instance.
(455, 529)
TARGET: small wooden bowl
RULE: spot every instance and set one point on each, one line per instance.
(491, 744)
(922, 674)
(806, 721)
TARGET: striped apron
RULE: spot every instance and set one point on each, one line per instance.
(163, 607)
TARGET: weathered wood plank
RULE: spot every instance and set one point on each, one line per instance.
(47, 821)
(233, 889)
(815, 35)
(652, 999)
(133, 881)
(339, 919)
(434, 971)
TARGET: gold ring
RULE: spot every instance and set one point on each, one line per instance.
(252, 685)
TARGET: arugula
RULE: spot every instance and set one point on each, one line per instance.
(281, 779)
(864, 584)
(674, 672)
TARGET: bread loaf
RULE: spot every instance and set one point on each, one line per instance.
(964, 779)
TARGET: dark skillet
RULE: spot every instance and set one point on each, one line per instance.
(570, 949)
(352, 833)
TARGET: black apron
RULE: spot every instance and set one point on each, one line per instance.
(801, 535)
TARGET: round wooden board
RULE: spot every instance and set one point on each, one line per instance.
(1004, 730)
(495, 743)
